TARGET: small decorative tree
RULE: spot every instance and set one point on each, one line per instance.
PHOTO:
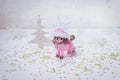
(39, 38)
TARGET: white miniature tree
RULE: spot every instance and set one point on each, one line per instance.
(39, 38)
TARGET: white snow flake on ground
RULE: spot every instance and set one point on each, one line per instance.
(98, 58)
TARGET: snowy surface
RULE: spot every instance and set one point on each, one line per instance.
(98, 57)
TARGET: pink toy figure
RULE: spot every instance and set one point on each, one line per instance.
(62, 43)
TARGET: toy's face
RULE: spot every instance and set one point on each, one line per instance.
(58, 39)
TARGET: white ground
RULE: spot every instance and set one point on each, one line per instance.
(98, 57)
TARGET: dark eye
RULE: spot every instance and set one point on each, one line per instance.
(61, 38)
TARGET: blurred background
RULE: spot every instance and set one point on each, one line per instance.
(78, 13)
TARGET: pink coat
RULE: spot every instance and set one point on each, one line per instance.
(62, 47)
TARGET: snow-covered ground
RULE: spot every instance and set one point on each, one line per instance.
(98, 57)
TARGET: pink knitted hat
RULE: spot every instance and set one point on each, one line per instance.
(61, 33)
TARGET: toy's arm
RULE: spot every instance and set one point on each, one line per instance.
(54, 42)
(72, 37)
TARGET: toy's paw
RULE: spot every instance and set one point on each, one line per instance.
(73, 53)
(70, 55)
(57, 55)
(61, 57)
